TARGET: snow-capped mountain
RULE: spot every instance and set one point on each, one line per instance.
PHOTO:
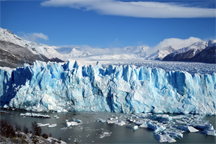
(160, 54)
(89, 53)
(16, 51)
(206, 55)
(77, 53)
(189, 53)
(12, 55)
(36, 48)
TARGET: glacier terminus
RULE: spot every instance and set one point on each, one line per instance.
(126, 89)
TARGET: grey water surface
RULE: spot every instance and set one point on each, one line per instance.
(92, 131)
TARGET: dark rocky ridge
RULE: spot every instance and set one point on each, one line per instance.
(12, 55)
(206, 55)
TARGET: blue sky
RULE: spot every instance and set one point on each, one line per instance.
(109, 23)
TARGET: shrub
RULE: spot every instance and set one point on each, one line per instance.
(17, 127)
(6, 129)
(25, 129)
(59, 140)
(36, 129)
(44, 135)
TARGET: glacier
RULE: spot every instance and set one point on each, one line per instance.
(121, 89)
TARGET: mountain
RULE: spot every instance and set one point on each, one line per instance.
(36, 48)
(14, 51)
(12, 55)
(160, 54)
(194, 52)
(207, 55)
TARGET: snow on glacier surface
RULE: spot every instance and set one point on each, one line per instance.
(112, 88)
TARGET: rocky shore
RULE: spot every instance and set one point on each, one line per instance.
(22, 138)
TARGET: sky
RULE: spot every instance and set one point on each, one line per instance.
(110, 23)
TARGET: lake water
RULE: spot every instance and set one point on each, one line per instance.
(91, 130)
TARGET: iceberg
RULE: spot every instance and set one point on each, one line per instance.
(52, 125)
(126, 89)
(101, 120)
(157, 127)
(164, 138)
(209, 132)
(188, 128)
(135, 127)
(71, 123)
(120, 123)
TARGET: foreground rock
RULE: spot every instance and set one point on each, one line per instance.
(23, 138)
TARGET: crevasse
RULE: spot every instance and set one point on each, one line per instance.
(126, 89)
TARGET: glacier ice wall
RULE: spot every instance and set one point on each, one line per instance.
(70, 87)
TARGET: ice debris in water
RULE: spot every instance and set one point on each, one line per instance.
(188, 128)
(52, 125)
(166, 128)
(105, 134)
(40, 124)
(101, 120)
(164, 138)
(74, 122)
(135, 127)
(34, 115)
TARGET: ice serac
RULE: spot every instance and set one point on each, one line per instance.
(70, 87)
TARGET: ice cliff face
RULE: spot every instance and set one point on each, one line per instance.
(126, 89)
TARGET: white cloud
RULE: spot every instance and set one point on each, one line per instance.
(100, 51)
(176, 43)
(134, 9)
(35, 36)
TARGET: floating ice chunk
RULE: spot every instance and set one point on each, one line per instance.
(131, 120)
(55, 116)
(40, 124)
(5, 106)
(105, 134)
(101, 120)
(64, 128)
(112, 121)
(120, 123)
(164, 117)
(178, 117)
(175, 134)
(164, 138)
(135, 127)
(52, 125)
(134, 116)
(156, 127)
(204, 126)
(34, 115)
(181, 122)
(117, 122)
(144, 125)
(71, 123)
(77, 120)
(139, 122)
(209, 132)
(113, 118)
(188, 128)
